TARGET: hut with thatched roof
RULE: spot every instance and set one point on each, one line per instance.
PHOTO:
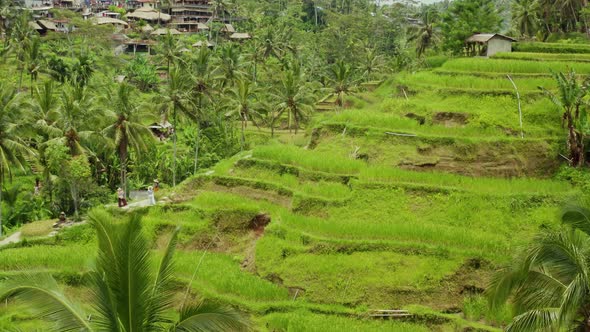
(227, 29)
(148, 14)
(240, 36)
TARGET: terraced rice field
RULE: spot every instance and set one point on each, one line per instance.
(409, 202)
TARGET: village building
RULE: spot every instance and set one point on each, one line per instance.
(149, 14)
(488, 44)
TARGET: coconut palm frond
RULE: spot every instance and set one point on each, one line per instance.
(210, 316)
(46, 300)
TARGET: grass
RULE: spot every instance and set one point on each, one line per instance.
(560, 48)
(353, 278)
(306, 321)
(430, 80)
(513, 66)
(532, 56)
(324, 189)
(37, 228)
(483, 185)
(295, 156)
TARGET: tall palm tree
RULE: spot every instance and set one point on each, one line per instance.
(176, 98)
(201, 93)
(126, 129)
(127, 294)
(229, 65)
(19, 35)
(33, 57)
(295, 97)
(242, 98)
(13, 150)
(71, 123)
(169, 50)
(548, 282)
(571, 101)
(426, 35)
(525, 14)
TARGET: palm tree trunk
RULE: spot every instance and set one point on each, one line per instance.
(123, 158)
(197, 149)
(20, 80)
(174, 143)
(1, 186)
(243, 141)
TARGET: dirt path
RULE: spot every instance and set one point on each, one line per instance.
(14, 238)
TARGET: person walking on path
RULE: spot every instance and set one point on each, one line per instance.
(156, 185)
(121, 197)
(151, 197)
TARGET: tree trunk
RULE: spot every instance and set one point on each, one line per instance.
(197, 149)
(1, 186)
(74, 193)
(243, 141)
(575, 144)
(20, 80)
(123, 158)
(174, 143)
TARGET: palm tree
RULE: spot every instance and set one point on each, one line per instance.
(571, 102)
(525, 16)
(127, 294)
(295, 97)
(169, 49)
(548, 282)
(229, 65)
(125, 128)
(201, 93)
(342, 80)
(33, 57)
(13, 150)
(176, 98)
(219, 6)
(20, 33)
(71, 122)
(426, 35)
(371, 62)
(241, 103)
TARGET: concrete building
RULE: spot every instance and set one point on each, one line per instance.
(488, 44)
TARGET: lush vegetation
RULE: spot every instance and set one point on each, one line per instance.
(346, 162)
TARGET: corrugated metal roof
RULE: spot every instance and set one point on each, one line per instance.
(485, 37)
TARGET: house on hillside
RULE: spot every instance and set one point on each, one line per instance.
(488, 44)
(148, 14)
